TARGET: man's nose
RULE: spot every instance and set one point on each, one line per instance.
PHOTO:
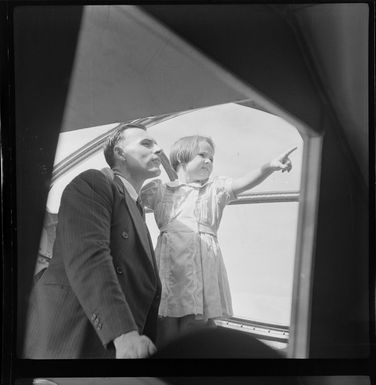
(157, 149)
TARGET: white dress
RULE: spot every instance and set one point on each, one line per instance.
(190, 263)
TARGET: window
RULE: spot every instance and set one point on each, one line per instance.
(266, 235)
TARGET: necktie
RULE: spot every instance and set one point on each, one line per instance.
(142, 212)
(140, 207)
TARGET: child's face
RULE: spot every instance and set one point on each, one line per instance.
(199, 168)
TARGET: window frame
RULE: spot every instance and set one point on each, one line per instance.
(299, 330)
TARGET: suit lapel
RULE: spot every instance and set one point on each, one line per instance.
(138, 222)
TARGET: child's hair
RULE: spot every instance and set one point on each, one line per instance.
(185, 149)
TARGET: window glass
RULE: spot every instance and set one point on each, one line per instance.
(257, 239)
(258, 246)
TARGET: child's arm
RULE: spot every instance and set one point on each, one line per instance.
(167, 166)
(255, 177)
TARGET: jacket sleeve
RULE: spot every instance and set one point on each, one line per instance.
(84, 228)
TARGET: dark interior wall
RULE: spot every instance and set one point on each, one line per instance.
(128, 67)
(257, 45)
(340, 299)
(44, 48)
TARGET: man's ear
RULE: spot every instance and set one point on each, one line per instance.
(119, 152)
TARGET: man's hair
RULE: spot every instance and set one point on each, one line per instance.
(185, 149)
(115, 138)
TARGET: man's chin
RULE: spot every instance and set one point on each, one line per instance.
(155, 172)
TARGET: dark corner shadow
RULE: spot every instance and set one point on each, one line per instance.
(45, 41)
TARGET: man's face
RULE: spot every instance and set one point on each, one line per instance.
(141, 153)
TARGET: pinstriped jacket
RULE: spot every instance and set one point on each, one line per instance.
(102, 280)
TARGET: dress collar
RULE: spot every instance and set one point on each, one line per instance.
(178, 183)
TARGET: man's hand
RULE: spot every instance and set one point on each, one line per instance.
(133, 345)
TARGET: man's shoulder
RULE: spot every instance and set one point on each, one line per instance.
(92, 178)
(90, 174)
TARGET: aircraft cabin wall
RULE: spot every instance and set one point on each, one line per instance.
(260, 49)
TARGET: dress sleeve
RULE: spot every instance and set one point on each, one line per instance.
(223, 190)
(151, 193)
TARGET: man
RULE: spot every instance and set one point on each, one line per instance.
(100, 295)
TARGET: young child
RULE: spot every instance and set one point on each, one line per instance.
(188, 211)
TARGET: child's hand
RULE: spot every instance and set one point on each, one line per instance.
(167, 166)
(255, 177)
(282, 162)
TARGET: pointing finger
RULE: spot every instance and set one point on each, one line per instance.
(287, 153)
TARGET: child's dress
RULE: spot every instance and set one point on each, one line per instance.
(190, 263)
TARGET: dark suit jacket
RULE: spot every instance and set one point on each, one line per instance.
(102, 280)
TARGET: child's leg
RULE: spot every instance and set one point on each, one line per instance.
(171, 327)
(168, 328)
(189, 322)
(211, 322)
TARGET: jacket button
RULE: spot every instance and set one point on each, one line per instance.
(124, 235)
(118, 270)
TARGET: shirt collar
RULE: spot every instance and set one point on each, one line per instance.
(130, 189)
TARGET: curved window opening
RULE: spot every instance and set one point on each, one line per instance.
(266, 235)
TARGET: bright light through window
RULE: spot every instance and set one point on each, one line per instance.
(258, 240)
